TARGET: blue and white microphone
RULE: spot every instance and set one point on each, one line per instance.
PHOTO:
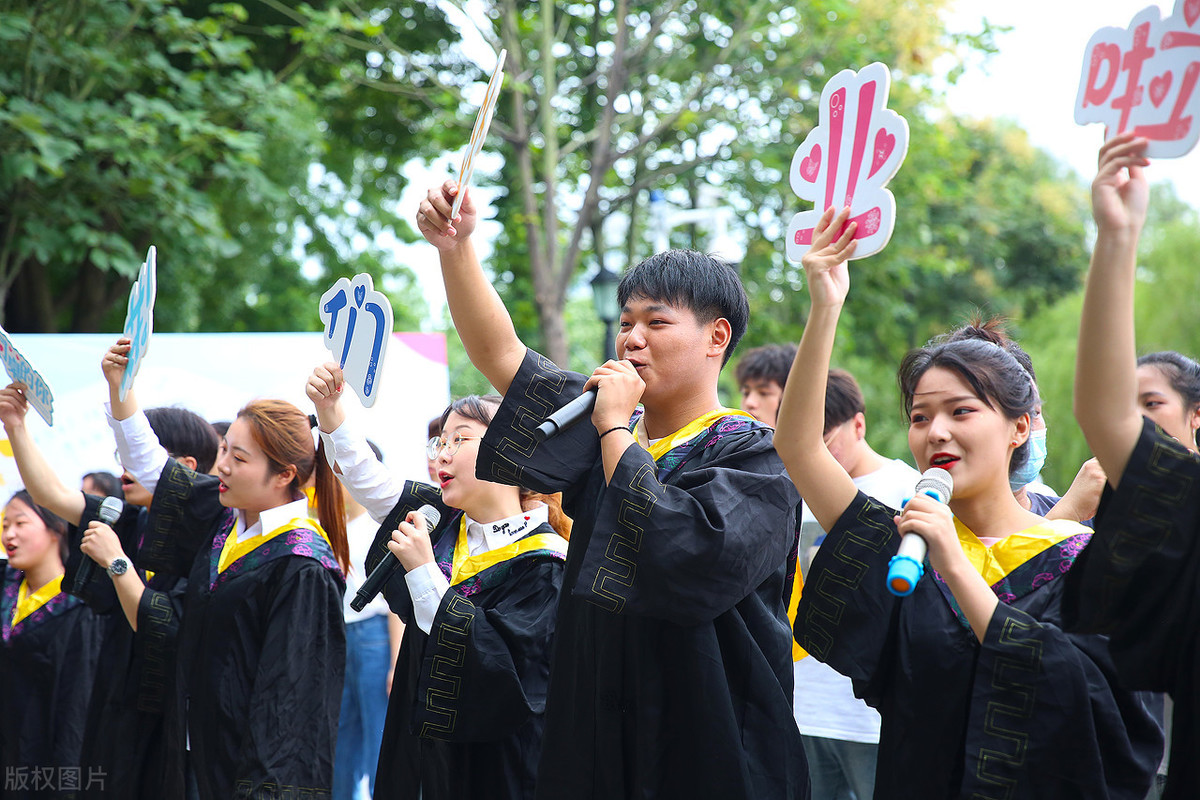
(908, 565)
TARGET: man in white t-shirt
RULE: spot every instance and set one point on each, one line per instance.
(840, 732)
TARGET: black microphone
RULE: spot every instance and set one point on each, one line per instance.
(110, 512)
(385, 569)
(566, 416)
(908, 565)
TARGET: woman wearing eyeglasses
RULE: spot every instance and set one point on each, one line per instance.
(479, 594)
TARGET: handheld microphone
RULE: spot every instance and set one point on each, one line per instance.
(385, 569)
(109, 513)
(566, 416)
(908, 565)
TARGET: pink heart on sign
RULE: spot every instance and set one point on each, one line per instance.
(885, 143)
(810, 165)
(1191, 10)
(1159, 88)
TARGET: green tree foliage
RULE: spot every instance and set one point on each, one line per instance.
(248, 142)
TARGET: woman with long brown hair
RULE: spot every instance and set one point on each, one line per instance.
(262, 644)
(479, 594)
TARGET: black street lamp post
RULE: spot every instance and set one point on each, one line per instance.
(604, 296)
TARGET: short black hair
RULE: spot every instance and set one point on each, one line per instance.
(771, 362)
(843, 399)
(108, 484)
(185, 433)
(705, 285)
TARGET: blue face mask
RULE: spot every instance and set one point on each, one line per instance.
(1028, 472)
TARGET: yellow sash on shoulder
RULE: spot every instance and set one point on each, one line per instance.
(996, 562)
(467, 566)
(28, 603)
(687, 432)
(234, 549)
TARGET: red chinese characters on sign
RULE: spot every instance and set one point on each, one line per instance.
(847, 160)
(1144, 79)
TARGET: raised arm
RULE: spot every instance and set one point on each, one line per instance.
(482, 321)
(40, 479)
(369, 482)
(1106, 364)
(799, 434)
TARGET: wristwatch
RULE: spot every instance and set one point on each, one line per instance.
(119, 566)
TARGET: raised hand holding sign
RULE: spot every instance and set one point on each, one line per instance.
(37, 391)
(139, 319)
(847, 160)
(1142, 79)
(358, 324)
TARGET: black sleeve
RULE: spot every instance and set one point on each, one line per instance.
(159, 614)
(484, 671)
(412, 497)
(98, 592)
(690, 549)
(510, 454)
(1045, 702)
(846, 616)
(1136, 580)
(297, 691)
(183, 516)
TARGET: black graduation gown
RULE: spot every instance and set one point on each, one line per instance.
(47, 665)
(672, 666)
(1139, 583)
(262, 648)
(124, 735)
(1032, 712)
(465, 714)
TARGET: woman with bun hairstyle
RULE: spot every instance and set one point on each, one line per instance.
(478, 594)
(262, 645)
(980, 692)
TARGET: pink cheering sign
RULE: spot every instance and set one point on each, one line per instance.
(1143, 79)
(847, 160)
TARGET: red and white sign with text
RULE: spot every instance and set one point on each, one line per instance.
(1143, 79)
(847, 160)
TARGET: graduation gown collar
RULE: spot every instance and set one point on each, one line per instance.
(685, 434)
(1021, 562)
(470, 574)
(47, 602)
(298, 537)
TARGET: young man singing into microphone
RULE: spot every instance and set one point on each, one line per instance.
(672, 673)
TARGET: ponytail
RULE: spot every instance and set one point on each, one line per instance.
(331, 508)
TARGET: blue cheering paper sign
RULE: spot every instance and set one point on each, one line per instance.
(37, 391)
(139, 319)
(358, 325)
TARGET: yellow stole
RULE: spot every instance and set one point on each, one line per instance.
(687, 432)
(234, 549)
(468, 566)
(996, 562)
(27, 602)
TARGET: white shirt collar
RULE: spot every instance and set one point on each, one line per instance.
(273, 518)
(483, 537)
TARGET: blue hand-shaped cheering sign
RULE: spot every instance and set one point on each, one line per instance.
(139, 319)
(37, 391)
(358, 324)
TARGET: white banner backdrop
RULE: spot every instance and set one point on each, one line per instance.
(214, 375)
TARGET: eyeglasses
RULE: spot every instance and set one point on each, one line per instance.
(436, 445)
